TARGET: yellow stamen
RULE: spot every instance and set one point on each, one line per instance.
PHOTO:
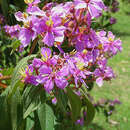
(85, 51)
(28, 1)
(27, 24)
(100, 46)
(110, 39)
(73, 52)
(45, 58)
(49, 22)
(22, 72)
(97, 33)
(25, 15)
(80, 65)
(65, 20)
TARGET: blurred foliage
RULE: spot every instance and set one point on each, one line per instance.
(126, 1)
(7, 59)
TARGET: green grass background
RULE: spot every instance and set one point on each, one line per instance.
(118, 88)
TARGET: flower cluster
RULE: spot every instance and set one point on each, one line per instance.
(66, 23)
(57, 22)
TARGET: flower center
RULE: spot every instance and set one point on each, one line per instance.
(49, 22)
(110, 39)
(28, 1)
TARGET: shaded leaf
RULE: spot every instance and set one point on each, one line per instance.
(5, 7)
(75, 103)
(90, 109)
(16, 110)
(46, 117)
(32, 98)
(62, 99)
(16, 76)
(5, 120)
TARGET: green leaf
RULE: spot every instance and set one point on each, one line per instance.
(7, 71)
(32, 98)
(5, 120)
(16, 74)
(90, 109)
(46, 117)
(15, 44)
(62, 99)
(5, 7)
(30, 122)
(75, 103)
(90, 112)
(16, 110)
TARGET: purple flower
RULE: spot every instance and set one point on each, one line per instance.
(21, 16)
(54, 100)
(27, 33)
(99, 81)
(28, 76)
(103, 74)
(51, 29)
(37, 63)
(112, 20)
(80, 121)
(2, 19)
(94, 6)
(112, 46)
(13, 31)
(49, 78)
(34, 10)
(49, 73)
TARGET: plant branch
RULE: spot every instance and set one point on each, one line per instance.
(3, 85)
(5, 77)
(33, 45)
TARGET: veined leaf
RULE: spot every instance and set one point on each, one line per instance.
(46, 117)
(5, 120)
(16, 76)
(15, 44)
(62, 100)
(90, 112)
(16, 110)
(75, 103)
(32, 98)
(90, 109)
